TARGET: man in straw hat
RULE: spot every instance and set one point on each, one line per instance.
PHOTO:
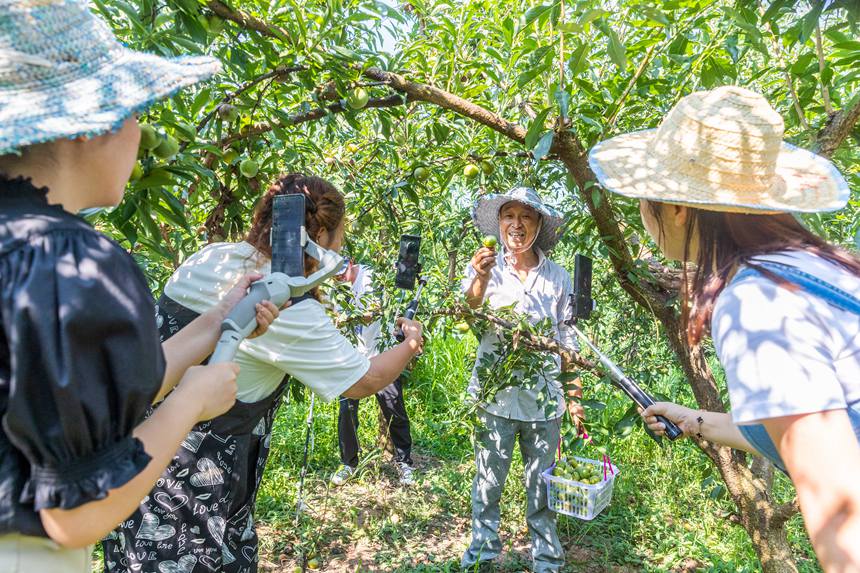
(531, 404)
(717, 186)
(80, 358)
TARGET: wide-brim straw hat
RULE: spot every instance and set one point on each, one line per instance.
(485, 214)
(63, 74)
(720, 150)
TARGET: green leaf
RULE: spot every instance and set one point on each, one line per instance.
(563, 99)
(568, 376)
(850, 45)
(536, 128)
(578, 59)
(345, 53)
(156, 178)
(799, 66)
(624, 427)
(200, 100)
(596, 196)
(810, 21)
(440, 132)
(709, 74)
(542, 148)
(654, 15)
(534, 13)
(570, 28)
(592, 15)
(527, 76)
(617, 51)
(773, 10)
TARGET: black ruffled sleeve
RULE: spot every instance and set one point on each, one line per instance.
(85, 360)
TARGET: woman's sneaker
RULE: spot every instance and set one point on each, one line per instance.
(407, 473)
(342, 475)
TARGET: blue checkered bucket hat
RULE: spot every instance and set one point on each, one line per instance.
(63, 74)
(485, 214)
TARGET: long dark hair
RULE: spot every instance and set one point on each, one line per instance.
(728, 240)
(324, 209)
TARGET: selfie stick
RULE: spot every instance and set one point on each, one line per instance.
(276, 287)
(412, 308)
(583, 305)
(628, 386)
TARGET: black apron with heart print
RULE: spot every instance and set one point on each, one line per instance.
(199, 517)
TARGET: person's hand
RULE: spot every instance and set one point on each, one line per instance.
(683, 417)
(267, 312)
(412, 331)
(484, 261)
(211, 388)
(577, 414)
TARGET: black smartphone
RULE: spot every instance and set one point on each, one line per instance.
(407, 262)
(288, 222)
(582, 302)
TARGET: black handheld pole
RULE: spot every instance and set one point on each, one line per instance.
(582, 305)
(628, 386)
(300, 504)
(412, 309)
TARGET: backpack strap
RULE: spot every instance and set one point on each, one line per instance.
(810, 283)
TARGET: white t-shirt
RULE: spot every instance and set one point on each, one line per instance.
(301, 342)
(787, 352)
(544, 294)
(368, 335)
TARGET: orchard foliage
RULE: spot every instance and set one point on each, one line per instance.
(595, 68)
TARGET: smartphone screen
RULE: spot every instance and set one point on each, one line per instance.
(582, 302)
(288, 219)
(407, 261)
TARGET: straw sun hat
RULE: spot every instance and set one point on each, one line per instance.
(485, 213)
(64, 75)
(720, 150)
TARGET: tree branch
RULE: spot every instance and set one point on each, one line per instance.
(774, 40)
(279, 72)
(825, 92)
(528, 339)
(783, 512)
(630, 85)
(249, 22)
(313, 115)
(427, 93)
(838, 127)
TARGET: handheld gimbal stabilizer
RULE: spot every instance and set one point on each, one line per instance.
(408, 270)
(290, 242)
(583, 305)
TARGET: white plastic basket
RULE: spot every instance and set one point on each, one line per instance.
(577, 499)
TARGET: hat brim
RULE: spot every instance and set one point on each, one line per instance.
(486, 217)
(99, 102)
(804, 182)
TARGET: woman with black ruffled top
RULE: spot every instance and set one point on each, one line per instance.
(80, 357)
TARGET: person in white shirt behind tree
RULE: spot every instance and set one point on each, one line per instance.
(390, 398)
